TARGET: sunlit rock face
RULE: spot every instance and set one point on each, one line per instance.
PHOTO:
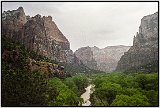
(105, 59)
(38, 34)
(143, 55)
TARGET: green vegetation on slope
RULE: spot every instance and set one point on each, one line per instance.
(119, 89)
(77, 83)
(21, 87)
(74, 69)
(65, 96)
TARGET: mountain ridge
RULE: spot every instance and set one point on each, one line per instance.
(104, 59)
(38, 34)
(143, 55)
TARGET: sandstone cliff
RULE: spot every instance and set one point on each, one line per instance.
(105, 59)
(12, 22)
(143, 55)
(38, 34)
(85, 54)
(15, 56)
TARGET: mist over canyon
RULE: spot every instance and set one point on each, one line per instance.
(41, 35)
(91, 23)
(80, 56)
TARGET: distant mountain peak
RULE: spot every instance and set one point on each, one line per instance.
(104, 59)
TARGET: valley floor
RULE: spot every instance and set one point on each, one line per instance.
(120, 89)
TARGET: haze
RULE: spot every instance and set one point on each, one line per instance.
(98, 24)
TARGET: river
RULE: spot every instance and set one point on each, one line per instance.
(86, 95)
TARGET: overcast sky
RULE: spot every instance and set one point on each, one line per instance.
(98, 24)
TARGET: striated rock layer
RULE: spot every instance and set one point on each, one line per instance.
(105, 59)
(143, 55)
(85, 54)
(38, 34)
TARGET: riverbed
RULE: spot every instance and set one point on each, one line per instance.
(86, 95)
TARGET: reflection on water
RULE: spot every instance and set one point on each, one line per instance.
(86, 95)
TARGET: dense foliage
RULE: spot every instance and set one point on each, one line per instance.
(21, 87)
(119, 89)
(77, 83)
(68, 90)
(65, 96)
(74, 69)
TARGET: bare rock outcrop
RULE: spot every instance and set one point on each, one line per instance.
(105, 59)
(143, 55)
(12, 22)
(85, 55)
(38, 34)
(108, 57)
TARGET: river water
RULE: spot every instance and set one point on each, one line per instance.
(86, 95)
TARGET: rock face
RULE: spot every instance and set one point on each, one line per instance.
(12, 22)
(143, 55)
(38, 34)
(105, 59)
(108, 57)
(85, 54)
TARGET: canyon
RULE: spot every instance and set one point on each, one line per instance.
(41, 35)
(105, 59)
(40, 69)
(38, 34)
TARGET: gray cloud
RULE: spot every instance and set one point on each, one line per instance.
(98, 24)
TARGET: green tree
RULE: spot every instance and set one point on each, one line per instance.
(147, 81)
(81, 82)
(141, 79)
(70, 83)
(21, 88)
(65, 97)
(135, 100)
(108, 92)
(152, 82)
(152, 96)
(130, 91)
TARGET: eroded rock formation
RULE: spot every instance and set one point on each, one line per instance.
(143, 55)
(38, 34)
(105, 59)
(85, 54)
